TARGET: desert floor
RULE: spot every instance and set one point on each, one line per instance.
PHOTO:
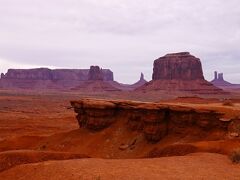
(40, 139)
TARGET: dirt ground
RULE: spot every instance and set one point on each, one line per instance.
(195, 166)
(41, 128)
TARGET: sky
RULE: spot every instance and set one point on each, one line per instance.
(125, 36)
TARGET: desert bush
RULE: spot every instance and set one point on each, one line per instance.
(235, 156)
(227, 103)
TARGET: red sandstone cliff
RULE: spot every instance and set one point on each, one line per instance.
(219, 81)
(177, 66)
(179, 72)
(95, 82)
(44, 78)
(130, 87)
(154, 120)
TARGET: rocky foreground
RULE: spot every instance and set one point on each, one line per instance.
(154, 120)
(133, 141)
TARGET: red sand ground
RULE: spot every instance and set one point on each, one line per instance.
(195, 166)
(42, 128)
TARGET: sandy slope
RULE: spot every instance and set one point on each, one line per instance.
(194, 166)
(9, 159)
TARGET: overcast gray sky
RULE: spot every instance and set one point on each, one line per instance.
(123, 35)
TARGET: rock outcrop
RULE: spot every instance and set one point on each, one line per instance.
(178, 66)
(154, 120)
(179, 72)
(44, 78)
(140, 83)
(56, 74)
(2, 75)
(219, 81)
(130, 87)
(95, 74)
(96, 82)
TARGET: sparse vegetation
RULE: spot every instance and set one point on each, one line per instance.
(235, 156)
(228, 103)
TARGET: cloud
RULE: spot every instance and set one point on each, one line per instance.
(123, 35)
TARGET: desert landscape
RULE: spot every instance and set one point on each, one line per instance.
(119, 90)
(177, 126)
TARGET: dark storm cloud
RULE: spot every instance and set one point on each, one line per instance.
(123, 35)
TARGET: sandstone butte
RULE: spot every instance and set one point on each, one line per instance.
(154, 120)
(219, 81)
(179, 72)
(44, 78)
(90, 80)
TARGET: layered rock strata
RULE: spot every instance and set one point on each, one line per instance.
(219, 81)
(177, 66)
(56, 74)
(154, 120)
(180, 72)
(44, 78)
(95, 74)
(130, 87)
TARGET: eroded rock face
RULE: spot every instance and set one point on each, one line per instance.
(95, 74)
(179, 72)
(33, 74)
(183, 66)
(58, 74)
(154, 120)
(44, 78)
(220, 82)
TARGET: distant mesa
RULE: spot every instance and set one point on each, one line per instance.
(174, 72)
(96, 82)
(179, 72)
(54, 75)
(221, 83)
(44, 78)
(219, 80)
(177, 66)
(95, 74)
(94, 79)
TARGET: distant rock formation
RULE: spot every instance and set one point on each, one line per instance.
(221, 83)
(96, 82)
(55, 74)
(219, 80)
(44, 78)
(142, 77)
(140, 83)
(130, 87)
(95, 74)
(179, 72)
(177, 66)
